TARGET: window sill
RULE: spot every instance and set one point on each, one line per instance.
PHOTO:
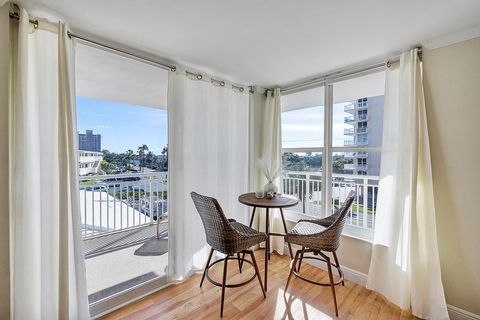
(348, 231)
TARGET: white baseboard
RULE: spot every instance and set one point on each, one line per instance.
(352, 275)
(460, 314)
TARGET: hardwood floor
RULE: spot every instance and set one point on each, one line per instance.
(187, 300)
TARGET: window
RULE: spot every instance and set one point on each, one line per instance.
(362, 139)
(344, 148)
(362, 114)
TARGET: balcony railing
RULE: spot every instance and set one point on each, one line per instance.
(112, 203)
(348, 131)
(348, 142)
(307, 186)
(349, 107)
(349, 119)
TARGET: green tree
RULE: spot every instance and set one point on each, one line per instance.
(127, 158)
(141, 154)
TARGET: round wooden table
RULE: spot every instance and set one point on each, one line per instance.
(278, 202)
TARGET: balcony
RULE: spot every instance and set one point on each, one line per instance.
(349, 119)
(125, 231)
(350, 108)
(349, 131)
(307, 187)
(362, 117)
(362, 130)
(356, 155)
(348, 143)
(361, 143)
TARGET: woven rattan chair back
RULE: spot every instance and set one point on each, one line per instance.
(216, 225)
(336, 228)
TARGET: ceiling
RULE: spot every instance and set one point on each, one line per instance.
(107, 76)
(268, 42)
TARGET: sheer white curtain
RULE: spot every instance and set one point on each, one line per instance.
(271, 152)
(48, 271)
(208, 154)
(405, 265)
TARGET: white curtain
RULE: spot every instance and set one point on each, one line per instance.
(208, 154)
(405, 265)
(270, 151)
(48, 271)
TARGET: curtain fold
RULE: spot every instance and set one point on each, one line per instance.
(405, 265)
(269, 149)
(208, 154)
(48, 271)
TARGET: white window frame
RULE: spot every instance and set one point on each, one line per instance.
(327, 166)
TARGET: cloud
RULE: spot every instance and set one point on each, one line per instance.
(103, 126)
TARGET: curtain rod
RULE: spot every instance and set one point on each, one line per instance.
(14, 15)
(122, 52)
(339, 75)
(173, 68)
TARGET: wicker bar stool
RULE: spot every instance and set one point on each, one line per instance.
(228, 237)
(317, 237)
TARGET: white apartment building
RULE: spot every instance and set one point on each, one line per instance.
(89, 162)
(365, 124)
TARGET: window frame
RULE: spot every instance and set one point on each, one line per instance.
(327, 155)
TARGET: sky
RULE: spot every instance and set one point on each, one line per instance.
(304, 127)
(123, 126)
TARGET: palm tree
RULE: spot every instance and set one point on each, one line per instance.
(129, 155)
(141, 153)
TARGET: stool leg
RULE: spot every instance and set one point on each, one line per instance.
(250, 225)
(286, 231)
(225, 264)
(239, 261)
(300, 260)
(257, 272)
(338, 265)
(206, 267)
(330, 275)
(292, 268)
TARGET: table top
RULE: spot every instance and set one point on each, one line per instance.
(280, 201)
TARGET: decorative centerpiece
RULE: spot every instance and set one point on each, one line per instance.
(270, 174)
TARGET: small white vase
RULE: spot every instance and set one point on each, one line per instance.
(270, 187)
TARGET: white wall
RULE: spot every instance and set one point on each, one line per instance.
(452, 92)
(4, 226)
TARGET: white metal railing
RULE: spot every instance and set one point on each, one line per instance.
(348, 131)
(348, 107)
(307, 186)
(111, 203)
(349, 119)
(348, 142)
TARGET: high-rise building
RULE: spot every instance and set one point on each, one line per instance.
(89, 142)
(366, 121)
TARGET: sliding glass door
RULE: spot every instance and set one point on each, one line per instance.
(123, 168)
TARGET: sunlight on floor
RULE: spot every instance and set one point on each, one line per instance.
(290, 307)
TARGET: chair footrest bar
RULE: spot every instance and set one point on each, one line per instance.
(235, 285)
(340, 272)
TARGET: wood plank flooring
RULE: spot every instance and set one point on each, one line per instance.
(187, 300)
